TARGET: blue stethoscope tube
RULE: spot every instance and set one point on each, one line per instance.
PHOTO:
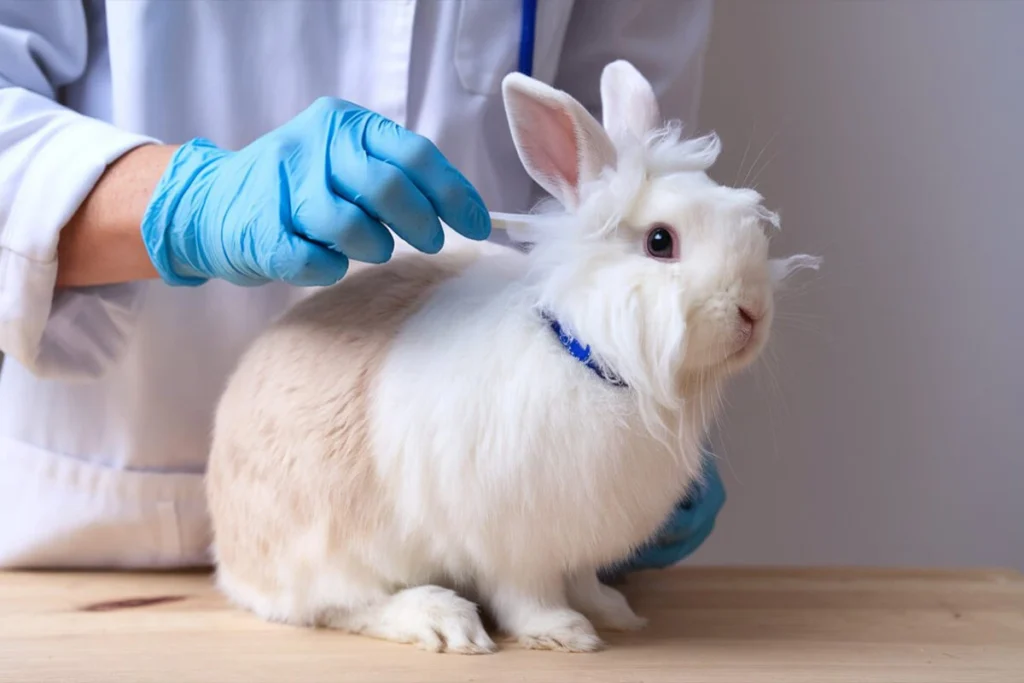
(526, 36)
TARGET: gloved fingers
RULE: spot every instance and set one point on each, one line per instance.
(331, 221)
(299, 262)
(453, 197)
(673, 553)
(687, 546)
(661, 554)
(387, 195)
(683, 521)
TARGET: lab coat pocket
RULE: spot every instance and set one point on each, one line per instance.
(487, 43)
(60, 511)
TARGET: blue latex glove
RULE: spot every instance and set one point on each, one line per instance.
(683, 532)
(298, 203)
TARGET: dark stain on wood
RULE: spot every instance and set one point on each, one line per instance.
(130, 603)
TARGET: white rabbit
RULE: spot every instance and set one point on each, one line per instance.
(418, 440)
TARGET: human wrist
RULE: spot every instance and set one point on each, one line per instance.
(171, 224)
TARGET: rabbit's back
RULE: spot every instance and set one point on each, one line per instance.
(290, 471)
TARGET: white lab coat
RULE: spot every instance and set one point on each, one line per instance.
(106, 394)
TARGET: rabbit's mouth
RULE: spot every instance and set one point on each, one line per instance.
(750, 337)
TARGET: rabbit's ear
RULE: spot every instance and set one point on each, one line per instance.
(561, 145)
(629, 105)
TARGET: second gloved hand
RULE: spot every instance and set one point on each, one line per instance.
(686, 529)
(298, 203)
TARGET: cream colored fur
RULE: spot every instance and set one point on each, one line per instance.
(415, 442)
(291, 443)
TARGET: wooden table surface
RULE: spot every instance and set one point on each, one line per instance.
(707, 624)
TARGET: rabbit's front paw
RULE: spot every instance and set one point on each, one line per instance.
(604, 605)
(434, 618)
(563, 629)
(616, 616)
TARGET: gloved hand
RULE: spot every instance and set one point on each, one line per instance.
(299, 202)
(683, 532)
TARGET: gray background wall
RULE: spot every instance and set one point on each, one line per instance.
(891, 137)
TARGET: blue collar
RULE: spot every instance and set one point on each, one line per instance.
(580, 351)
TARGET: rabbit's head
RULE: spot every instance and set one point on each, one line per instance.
(662, 271)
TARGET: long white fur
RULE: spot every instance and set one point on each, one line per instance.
(509, 472)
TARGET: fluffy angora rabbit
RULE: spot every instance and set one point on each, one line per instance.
(489, 427)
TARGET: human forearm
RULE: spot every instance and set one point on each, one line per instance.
(102, 243)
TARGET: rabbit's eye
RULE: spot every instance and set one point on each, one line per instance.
(661, 242)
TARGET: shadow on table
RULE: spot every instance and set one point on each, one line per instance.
(727, 611)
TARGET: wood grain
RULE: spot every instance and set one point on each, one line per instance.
(736, 625)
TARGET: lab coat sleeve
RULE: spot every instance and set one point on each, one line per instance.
(50, 158)
(665, 40)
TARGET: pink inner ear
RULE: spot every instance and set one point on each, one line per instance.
(549, 143)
